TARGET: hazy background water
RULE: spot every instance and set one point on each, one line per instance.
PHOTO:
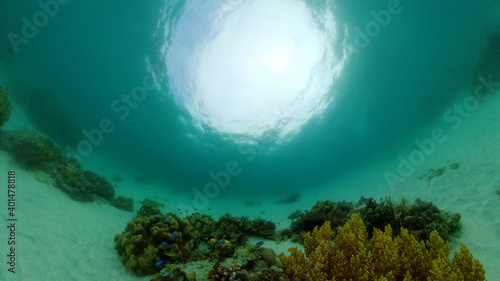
(91, 52)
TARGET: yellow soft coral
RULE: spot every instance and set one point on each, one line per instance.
(352, 257)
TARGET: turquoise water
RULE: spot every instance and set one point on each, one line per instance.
(213, 82)
(247, 99)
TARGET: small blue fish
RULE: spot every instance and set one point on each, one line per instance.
(159, 263)
(165, 243)
(220, 241)
(168, 220)
(260, 243)
(190, 263)
(175, 235)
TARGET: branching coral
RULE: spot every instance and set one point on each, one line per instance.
(352, 257)
(150, 239)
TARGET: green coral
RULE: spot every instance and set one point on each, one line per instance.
(123, 203)
(81, 185)
(236, 229)
(204, 224)
(260, 226)
(251, 261)
(220, 249)
(223, 273)
(149, 239)
(30, 149)
(5, 107)
(352, 256)
(419, 217)
(270, 274)
(336, 213)
(38, 153)
(149, 207)
(232, 229)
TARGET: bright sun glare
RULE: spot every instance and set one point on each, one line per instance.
(259, 66)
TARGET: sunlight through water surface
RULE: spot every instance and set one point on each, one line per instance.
(253, 68)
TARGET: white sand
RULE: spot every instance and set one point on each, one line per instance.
(61, 239)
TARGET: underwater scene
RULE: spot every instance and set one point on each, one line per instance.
(251, 140)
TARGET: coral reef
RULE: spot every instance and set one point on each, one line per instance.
(236, 229)
(123, 203)
(148, 242)
(100, 186)
(261, 264)
(352, 257)
(226, 273)
(220, 249)
(149, 207)
(270, 274)
(232, 229)
(38, 153)
(420, 217)
(224, 236)
(204, 224)
(81, 185)
(30, 149)
(175, 272)
(5, 107)
(260, 226)
(336, 213)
